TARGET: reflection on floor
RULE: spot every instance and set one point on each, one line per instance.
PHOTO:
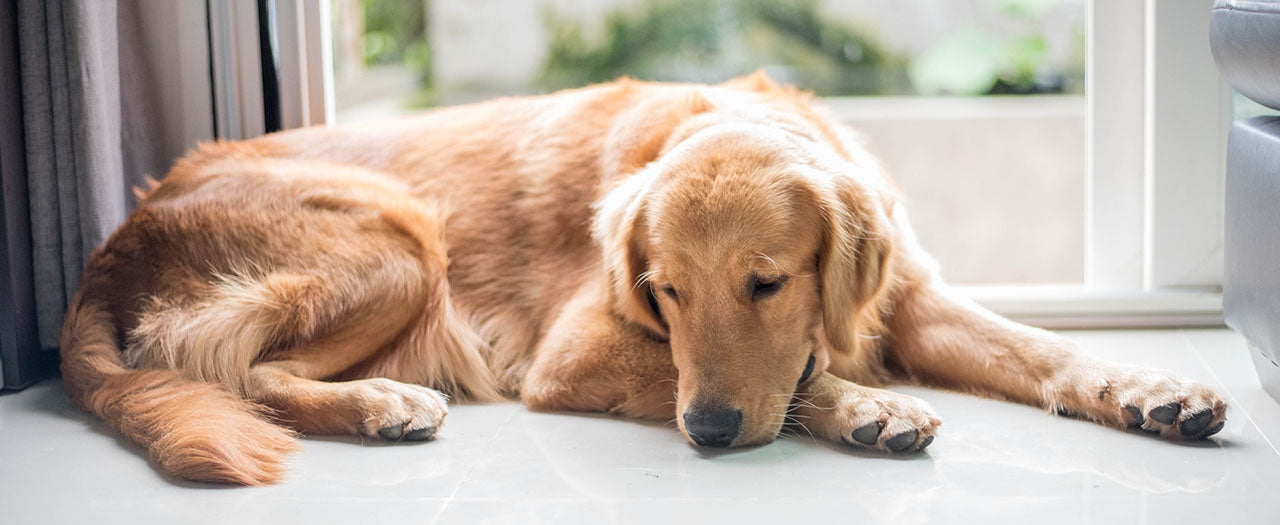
(503, 464)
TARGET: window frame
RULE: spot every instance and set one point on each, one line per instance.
(304, 64)
(235, 67)
(1156, 157)
(1156, 177)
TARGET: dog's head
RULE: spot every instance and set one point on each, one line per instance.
(752, 250)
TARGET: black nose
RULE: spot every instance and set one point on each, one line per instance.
(712, 427)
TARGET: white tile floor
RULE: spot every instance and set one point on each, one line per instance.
(993, 461)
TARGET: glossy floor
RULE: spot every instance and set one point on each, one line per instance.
(992, 462)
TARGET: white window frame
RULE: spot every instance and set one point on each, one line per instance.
(304, 61)
(1157, 122)
(1158, 113)
(237, 74)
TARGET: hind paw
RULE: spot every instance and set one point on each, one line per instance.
(393, 411)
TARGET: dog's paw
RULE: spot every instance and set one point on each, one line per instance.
(885, 420)
(1159, 402)
(393, 410)
(1176, 408)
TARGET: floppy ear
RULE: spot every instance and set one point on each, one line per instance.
(854, 259)
(620, 229)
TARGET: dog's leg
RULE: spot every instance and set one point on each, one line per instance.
(376, 408)
(831, 408)
(941, 339)
(593, 362)
(354, 315)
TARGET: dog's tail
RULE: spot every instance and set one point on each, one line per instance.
(194, 430)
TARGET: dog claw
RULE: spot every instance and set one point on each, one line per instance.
(925, 444)
(902, 441)
(392, 433)
(421, 434)
(1136, 412)
(1165, 413)
(867, 434)
(1196, 423)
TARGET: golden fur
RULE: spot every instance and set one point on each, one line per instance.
(642, 249)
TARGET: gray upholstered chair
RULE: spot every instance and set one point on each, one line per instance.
(1245, 37)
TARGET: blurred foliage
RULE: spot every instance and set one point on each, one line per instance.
(712, 40)
(974, 61)
(1027, 8)
(709, 41)
(395, 31)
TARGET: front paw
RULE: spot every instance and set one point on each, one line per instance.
(1173, 407)
(1159, 402)
(883, 420)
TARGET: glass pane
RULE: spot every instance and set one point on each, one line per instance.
(976, 108)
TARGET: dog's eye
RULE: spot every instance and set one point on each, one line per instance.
(671, 292)
(762, 287)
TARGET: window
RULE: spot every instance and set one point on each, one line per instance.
(1062, 158)
(998, 198)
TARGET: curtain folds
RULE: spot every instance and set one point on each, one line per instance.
(71, 120)
(95, 95)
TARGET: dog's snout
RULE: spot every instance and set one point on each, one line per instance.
(712, 427)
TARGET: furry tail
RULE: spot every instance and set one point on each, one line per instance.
(196, 431)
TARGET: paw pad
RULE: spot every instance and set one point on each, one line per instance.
(1196, 423)
(1216, 428)
(1165, 413)
(902, 441)
(867, 434)
(421, 434)
(1136, 412)
(392, 432)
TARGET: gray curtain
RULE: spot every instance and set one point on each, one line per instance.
(83, 93)
(71, 118)
(19, 355)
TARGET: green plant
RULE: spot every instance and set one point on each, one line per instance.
(705, 40)
(974, 61)
(395, 31)
(633, 41)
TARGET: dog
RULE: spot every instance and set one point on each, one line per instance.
(728, 255)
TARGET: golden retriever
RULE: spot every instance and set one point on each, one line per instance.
(727, 255)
